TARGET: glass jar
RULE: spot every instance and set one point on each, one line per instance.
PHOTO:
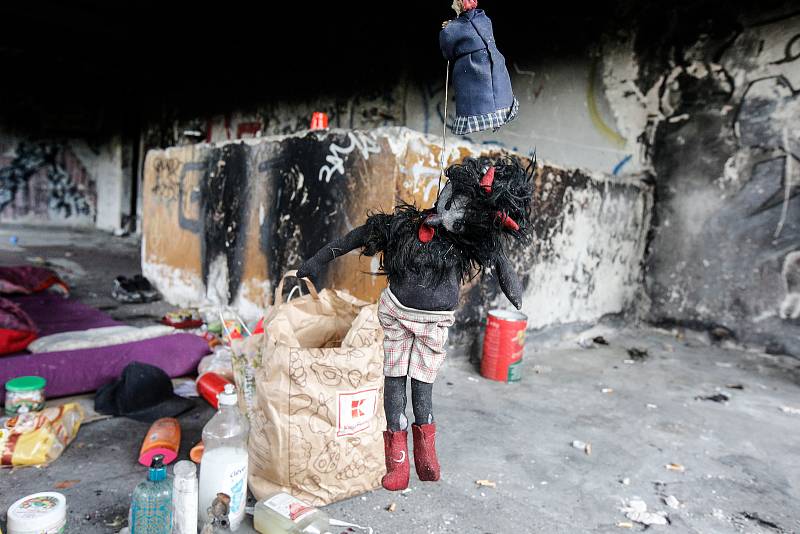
(25, 394)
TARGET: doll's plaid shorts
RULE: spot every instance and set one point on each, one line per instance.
(414, 340)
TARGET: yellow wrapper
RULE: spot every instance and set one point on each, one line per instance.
(38, 438)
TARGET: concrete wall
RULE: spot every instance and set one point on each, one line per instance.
(63, 182)
(223, 221)
(724, 145)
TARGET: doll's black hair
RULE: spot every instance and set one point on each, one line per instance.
(483, 234)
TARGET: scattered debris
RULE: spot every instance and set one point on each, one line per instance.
(625, 524)
(720, 333)
(626, 481)
(718, 397)
(134, 290)
(672, 502)
(392, 507)
(636, 510)
(600, 340)
(587, 342)
(651, 406)
(753, 516)
(65, 484)
(472, 379)
(675, 467)
(585, 447)
(791, 410)
(486, 483)
(734, 386)
(607, 390)
(638, 354)
(405, 491)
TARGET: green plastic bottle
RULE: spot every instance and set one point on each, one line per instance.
(151, 506)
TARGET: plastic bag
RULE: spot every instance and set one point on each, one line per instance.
(38, 438)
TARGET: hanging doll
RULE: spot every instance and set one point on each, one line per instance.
(427, 255)
(484, 98)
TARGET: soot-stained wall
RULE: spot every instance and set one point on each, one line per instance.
(725, 153)
(222, 223)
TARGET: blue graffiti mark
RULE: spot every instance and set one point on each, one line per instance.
(622, 162)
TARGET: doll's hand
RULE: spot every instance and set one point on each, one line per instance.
(308, 269)
(445, 23)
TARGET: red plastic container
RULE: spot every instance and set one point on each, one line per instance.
(209, 385)
(503, 344)
(319, 121)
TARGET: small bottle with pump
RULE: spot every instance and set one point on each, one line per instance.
(151, 505)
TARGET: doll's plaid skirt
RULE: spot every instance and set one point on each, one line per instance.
(414, 340)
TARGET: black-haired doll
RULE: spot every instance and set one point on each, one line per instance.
(427, 256)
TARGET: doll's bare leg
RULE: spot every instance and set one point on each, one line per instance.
(424, 430)
(394, 402)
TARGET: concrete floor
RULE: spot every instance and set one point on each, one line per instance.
(740, 458)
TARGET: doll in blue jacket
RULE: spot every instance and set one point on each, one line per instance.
(484, 98)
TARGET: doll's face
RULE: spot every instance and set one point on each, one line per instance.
(451, 210)
(457, 7)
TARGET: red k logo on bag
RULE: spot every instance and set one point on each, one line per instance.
(355, 411)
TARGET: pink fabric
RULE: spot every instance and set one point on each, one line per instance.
(27, 279)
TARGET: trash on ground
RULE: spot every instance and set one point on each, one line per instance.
(625, 524)
(790, 410)
(24, 394)
(672, 502)
(392, 507)
(164, 438)
(638, 355)
(40, 512)
(675, 467)
(65, 484)
(636, 510)
(626, 481)
(183, 318)
(486, 483)
(717, 397)
(588, 342)
(607, 390)
(580, 445)
(734, 386)
(600, 340)
(651, 406)
(151, 502)
(223, 468)
(184, 498)
(38, 438)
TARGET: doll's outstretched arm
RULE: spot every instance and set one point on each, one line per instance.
(509, 281)
(354, 239)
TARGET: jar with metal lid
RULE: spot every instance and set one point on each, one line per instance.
(25, 394)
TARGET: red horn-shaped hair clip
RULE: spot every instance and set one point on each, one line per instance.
(488, 180)
(508, 222)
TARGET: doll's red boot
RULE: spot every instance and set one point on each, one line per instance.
(425, 452)
(395, 446)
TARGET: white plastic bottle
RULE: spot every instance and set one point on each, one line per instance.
(280, 513)
(223, 468)
(184, 498)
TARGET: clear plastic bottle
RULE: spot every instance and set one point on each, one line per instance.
(281, 513)
(223, 468)
(184, 498)
(151, 505)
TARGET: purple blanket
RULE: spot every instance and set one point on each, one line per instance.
(80, 371)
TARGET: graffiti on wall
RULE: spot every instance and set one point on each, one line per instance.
(45, 181)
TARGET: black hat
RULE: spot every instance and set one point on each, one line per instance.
(143, 392)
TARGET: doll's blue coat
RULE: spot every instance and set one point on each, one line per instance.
(480, 78)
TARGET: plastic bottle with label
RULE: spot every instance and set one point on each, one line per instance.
(280, 513)
(151, 504)
(223, 468)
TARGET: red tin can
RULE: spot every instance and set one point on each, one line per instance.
(503, 344)
(209, 385)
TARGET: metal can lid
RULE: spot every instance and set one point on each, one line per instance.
(37, 513)
(509, 315)
(26, 383)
